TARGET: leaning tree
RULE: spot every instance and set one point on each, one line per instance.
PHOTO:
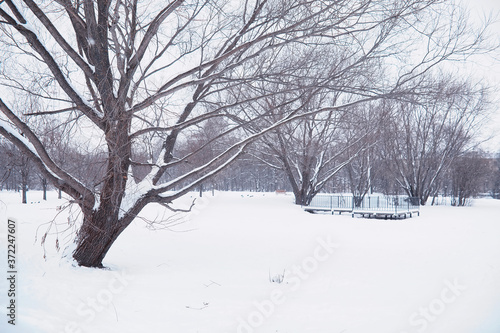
(119, 75)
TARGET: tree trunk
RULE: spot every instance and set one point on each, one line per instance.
(358, 200)
(96, 236)
(24, 179)
(23, 191)
(303, 196)
(299, 198)
(102, 226)
(44, 187)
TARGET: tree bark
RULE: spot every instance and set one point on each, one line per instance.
(98, 232)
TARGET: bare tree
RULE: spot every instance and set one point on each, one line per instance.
(468, 174)
(308, 153)
(128, 70)
(17, 170)
(495, 178)
(314, 149)
(364, 122)
(5, 167)
(426, 136)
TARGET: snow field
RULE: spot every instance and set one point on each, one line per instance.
(438, 272)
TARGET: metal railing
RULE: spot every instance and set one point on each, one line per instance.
(388, 204)
(332, 202)
(391, 204)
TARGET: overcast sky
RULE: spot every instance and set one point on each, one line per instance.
(489, 67)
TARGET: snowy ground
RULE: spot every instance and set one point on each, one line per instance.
(439, 272)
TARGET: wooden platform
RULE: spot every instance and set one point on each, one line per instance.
(339, 210)
(381, 207)
(386, 214)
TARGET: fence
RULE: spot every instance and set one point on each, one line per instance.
(367, 206)
(332, 202)
(387, 206)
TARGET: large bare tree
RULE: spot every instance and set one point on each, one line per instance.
(117, 75)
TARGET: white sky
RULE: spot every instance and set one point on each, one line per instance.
(489, 67)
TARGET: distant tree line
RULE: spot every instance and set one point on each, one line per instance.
(363, 167)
